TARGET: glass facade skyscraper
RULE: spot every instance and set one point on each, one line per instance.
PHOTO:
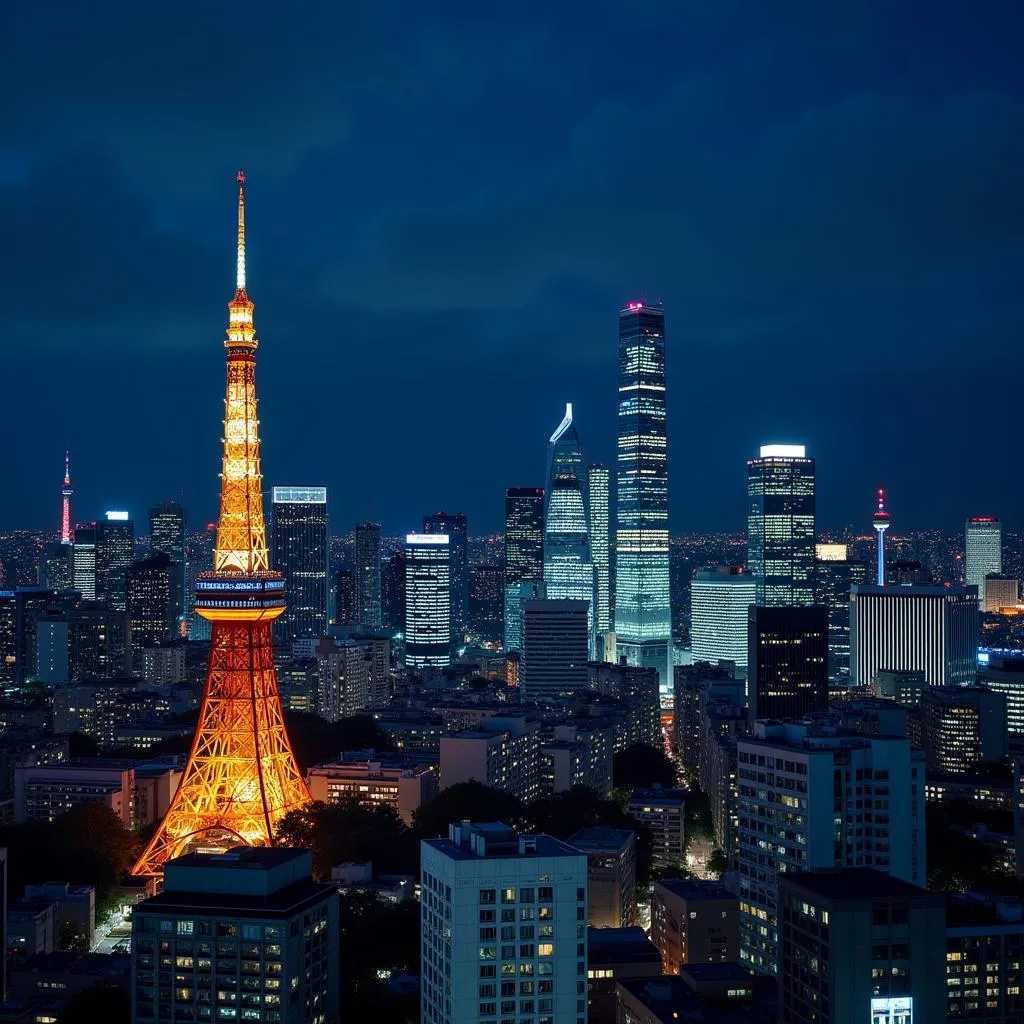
(427, 596)
(643, 610)
(598, 479)
(300, 551)
(524, 552)
(115, 552)
(983, 552)
(454, 525)
(167, 537)
(367, 610)
(781, 525)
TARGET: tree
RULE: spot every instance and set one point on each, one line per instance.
(104, 1002)
(643, 766)
(467, 801)
(718, 863)
(315, 740)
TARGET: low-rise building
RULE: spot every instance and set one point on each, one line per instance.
(611, 874)
(723, 993)
(614, 954)
(694, 922)
(45, 792)
(663, 811)
(75, 924)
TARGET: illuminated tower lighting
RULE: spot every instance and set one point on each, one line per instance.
(881, 520)
(241, 777)
(65, 519)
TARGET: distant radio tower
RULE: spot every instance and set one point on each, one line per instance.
(65, 519)
(881, 520)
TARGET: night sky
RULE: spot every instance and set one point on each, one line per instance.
(447, 204)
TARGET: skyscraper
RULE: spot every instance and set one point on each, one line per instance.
(115, 551)
(599, 525)
(241, 777)
(780, 525)
(454, 525)
(149, 590)
(300, 552)
(167, 537)
(555, 648)
(198, 559)
(787, 661)
(983, 552)
(565, 454)
(428, 631)
(880, 520)
(524, 552)
(718, 608)
(367, 578)
(835, 575)
(568, 569)
(643, 609)
(84, 561)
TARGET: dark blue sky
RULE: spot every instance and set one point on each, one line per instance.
(449, 202)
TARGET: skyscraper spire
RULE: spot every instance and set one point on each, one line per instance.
(240, 264)
(880, 520)
(65, 520)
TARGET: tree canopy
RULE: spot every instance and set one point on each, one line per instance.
(643, 766)
(104, 1002)
(467, 801)
(315, 740)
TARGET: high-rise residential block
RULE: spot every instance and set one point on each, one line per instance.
(983, 551)
(787, 661)
(344, 684)
(835, 575)
(454, 527)
(663, 811)
(524, 552)
(963, 726)
(367, 576)
(694, 922)
(599, 525)
(244, 930)
(781, 524)
(428, 631)
(300, 551)
(859, 946)
(611, 873)
(150, 598)
(167, 537)
(719, 601)
(501, 751)
(643, 606)
(803, 794)
(555, 648)
(115, 551)
(502, 928)
(933, 629)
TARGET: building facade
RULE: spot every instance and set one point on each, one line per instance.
(524, 552)
(428, 631)
(167, 537)
(555, 648)
(150, 600)
(836, 574)
(454, 526)
(694, 922)
(611, 873)
(115, 551)
(787, 661)
(599, 525)
(643, 606)
(719, 600)
(301, 551)
(367, 600)
(983, 551)
(376, 780)
(781, 524)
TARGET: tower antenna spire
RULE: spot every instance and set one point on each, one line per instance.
(240, 265)
(66, 492)
(881, 520)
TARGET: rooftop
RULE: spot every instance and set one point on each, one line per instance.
(476, 840)
(252, 858)
(854, 884)
(658, 795)
(620, 945)
(673, 998)
(598, 837)
(695, 889)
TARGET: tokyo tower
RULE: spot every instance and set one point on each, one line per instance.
(241, 776)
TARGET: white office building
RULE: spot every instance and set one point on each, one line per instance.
(929, 629)
(718, 602)
(814, 797)
(555, 647)
(983, 551)
(428, 630)
(503, 928)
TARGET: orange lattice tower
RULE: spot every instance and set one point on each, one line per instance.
(241, 776)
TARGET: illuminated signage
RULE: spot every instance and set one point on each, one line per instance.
(300, 495)
(892, 1010)
(117, 517)
(830, 552)
(252, 586)
(426, 538)
(783, 451)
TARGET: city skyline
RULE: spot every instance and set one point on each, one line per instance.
(808, 196)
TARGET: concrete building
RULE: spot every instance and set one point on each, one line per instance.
(156, 782)
(835, 575)
(963, 726)
(501, 928)
(75, 914)
(31, 929)
(1005, 675)
(45, 792)
(983, 551)
(613, 955)
(930, 629)
(903, 686)
(859, 945)
(694, 922)
(246, 930)
(719, 601)
(375, 780)
(344, 684)
(722, 993)
(503, 752)
(663, 811)
(555, 648)
(802, 793)
(787, 660)
(611, 870)
(1001, 592)
(428, 614)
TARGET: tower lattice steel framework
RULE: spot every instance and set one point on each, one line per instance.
(241, 776)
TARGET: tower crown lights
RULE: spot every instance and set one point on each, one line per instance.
(881, 515)
(66, 492)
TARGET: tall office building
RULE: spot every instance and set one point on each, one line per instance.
(83, 561)
(835, 575)
(345, 597)
(250, 925)
(198, 559)
(428, 631)
(565, 455)
(486, 602)
(150, 595)
(787, 661)
(524, 552)
(115, 552)
(802, 792)
(599, 525)
(367, 578)
(392, 591)
(454, 527)
(555, 648)
(983, 551)
(502, 928)
(167, 537)
(780, 524)
(931, 629)
(719, 601)
(300, 551)
(56, 570)
(643, 607)
(568, 569)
